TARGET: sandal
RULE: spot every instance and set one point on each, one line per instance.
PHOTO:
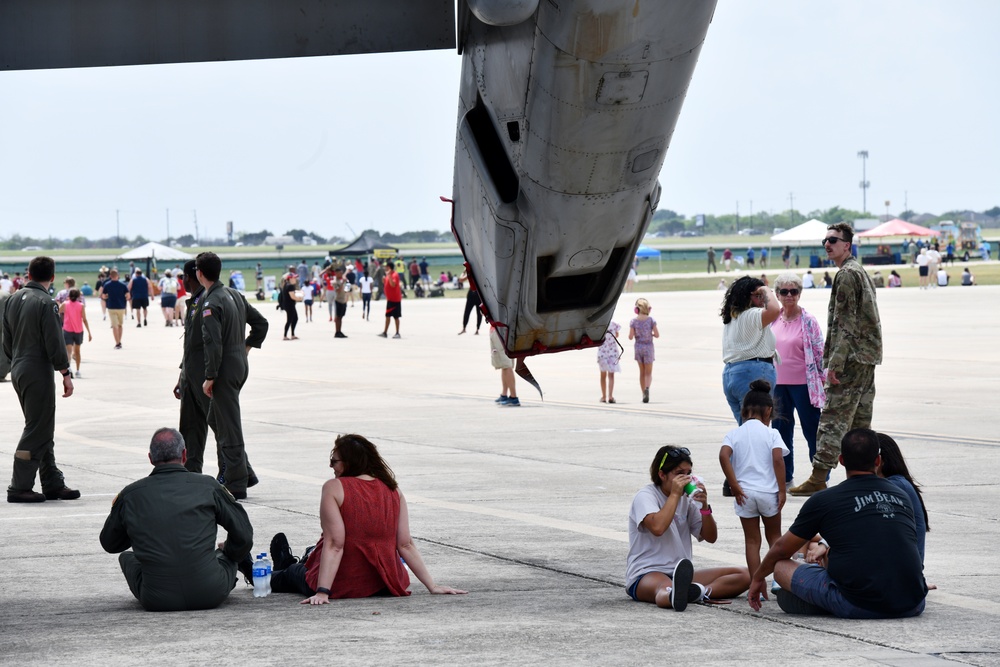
(611, 400)
(603, 401)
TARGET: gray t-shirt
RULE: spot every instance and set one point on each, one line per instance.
(648, 553)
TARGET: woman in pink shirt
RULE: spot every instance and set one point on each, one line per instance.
(800, 378)
(74, 315)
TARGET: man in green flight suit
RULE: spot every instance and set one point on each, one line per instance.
(4, 359)
(195, 404)
(169, 519)
(33, 341)
(224, 314)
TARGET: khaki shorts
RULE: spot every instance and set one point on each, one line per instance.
(117, 317)
(497, 355)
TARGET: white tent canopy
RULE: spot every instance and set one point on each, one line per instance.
(811, 231)
(156, 251)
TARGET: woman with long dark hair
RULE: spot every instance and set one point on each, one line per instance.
(662, 520)
(894, 469)
(366, 530)
(748, 344)
(287, 298)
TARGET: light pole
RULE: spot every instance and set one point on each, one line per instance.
(864, 181)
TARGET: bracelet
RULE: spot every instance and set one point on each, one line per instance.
(824, 543)
(323, 590)
(706, 511)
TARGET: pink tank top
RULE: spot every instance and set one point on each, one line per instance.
(73, 317)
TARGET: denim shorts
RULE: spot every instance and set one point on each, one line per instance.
(813, 584)
(632, 588)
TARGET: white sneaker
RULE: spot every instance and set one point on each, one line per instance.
(78, 376)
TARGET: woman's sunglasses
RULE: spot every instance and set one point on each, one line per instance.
(786, 292)
(679, 453)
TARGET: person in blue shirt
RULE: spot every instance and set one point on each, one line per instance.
(115, 294)
(138, 288)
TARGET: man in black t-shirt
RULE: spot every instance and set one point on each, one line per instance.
(874, 568)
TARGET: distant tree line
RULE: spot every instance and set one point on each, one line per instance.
(670, 222)
(664, 221)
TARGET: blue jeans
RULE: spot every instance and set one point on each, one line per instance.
(736, 379)
(789, 399)
(813, 584)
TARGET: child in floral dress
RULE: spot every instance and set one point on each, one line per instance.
(607, 360)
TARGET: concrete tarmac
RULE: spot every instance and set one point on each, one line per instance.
(524, 507)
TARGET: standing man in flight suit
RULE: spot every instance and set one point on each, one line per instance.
(33, 341)
(169, 519)
(194, 403)
(224, 314)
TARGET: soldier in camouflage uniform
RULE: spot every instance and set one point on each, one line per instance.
(853, 348)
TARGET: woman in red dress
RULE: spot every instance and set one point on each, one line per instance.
(366, 530)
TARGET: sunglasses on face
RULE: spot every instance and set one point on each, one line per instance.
(786, 292)
(831, 240)
(675, 454)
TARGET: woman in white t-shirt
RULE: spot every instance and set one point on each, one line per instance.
(168, 297)
(923, 269)
(366, 283)
(748, 345)
(752, 458)
(661, 522)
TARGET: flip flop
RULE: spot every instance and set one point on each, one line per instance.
(603, 401)
(611, 400)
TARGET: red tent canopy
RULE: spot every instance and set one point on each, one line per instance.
(899, 227)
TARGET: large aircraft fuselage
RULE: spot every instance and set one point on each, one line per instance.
(564, 123)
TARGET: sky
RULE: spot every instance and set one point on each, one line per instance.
(784, 96)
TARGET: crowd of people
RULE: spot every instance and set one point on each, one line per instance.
(777, 365)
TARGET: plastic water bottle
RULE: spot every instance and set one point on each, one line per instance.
(261, 576)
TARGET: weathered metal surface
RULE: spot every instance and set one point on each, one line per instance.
(42, 34)
(564, 123)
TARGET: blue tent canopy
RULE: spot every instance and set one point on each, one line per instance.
(646, 251)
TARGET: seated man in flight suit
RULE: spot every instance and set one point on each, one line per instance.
(169, 519)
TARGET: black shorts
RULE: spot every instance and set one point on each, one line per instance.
(923, 271)
(393, 309)
(72, 337)
(340, 309)
(140, 303)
